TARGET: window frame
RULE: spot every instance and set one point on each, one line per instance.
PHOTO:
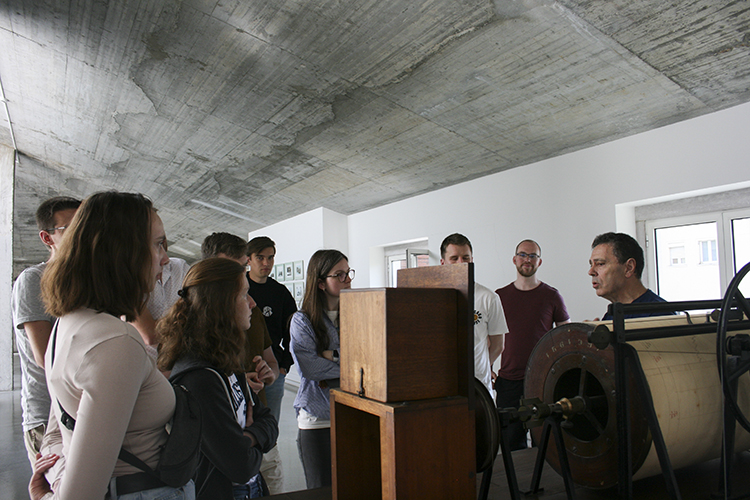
(728, 216)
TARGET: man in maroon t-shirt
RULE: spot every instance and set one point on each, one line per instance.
(531, 308)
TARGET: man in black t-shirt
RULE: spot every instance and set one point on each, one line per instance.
(616, 267)
(277, 305)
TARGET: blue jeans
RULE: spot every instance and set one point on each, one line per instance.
(274, 395)
(253, 489)
(187, 492)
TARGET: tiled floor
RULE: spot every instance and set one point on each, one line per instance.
(15, 470)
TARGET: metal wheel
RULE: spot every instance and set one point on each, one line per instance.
(487, 427)
(729, 351)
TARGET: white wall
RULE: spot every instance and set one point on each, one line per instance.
(299, 237)
(562, 203)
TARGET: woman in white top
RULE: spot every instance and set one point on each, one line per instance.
(101, 374)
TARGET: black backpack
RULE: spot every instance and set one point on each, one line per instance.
(180, 454)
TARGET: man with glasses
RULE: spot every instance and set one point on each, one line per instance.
(489, 321)
(531, 308)
(34, 325)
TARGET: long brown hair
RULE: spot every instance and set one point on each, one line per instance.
(104, 261)
(315, 302)
(202, 322)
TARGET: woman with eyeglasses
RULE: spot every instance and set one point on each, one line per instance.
(98, 370)
(314, 332)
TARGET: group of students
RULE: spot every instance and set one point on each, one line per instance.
(99, 371)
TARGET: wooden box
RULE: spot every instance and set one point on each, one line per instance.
(461, 278)
(400, 344)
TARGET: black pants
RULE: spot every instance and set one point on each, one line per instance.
(509, 394)
(314, 446)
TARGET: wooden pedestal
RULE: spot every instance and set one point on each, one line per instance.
(418, 449)
(412, 345)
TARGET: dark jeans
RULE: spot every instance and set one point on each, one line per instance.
(314, 446)
(509, 394)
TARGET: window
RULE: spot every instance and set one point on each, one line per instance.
(708, 252)
(405, 256)
(677, 255)
(395, 262)
(694, 257)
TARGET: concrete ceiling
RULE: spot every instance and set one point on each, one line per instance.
(235, 114)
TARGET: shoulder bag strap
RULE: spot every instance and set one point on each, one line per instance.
(65, 418)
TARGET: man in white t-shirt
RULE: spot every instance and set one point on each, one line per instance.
(33, 325)
(489, 319)
(160, 301)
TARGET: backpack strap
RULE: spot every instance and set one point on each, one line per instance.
(224, 383)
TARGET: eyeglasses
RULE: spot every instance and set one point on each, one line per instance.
(61, 229)
(342, 275)
(530, 256)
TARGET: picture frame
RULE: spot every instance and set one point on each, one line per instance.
(299, 291)
(273, 273)
(289, 271)
(290, 287)
(279, 271)
(299, 270)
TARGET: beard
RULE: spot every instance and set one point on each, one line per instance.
(527, 271)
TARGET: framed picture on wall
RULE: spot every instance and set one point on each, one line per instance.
(299, 291)
(279, 271)
(273, 273)
(289, 271)
(299, 270)
(290, 287)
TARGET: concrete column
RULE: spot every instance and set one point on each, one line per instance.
(7, 175)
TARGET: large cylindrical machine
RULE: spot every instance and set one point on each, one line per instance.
(683, 378)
